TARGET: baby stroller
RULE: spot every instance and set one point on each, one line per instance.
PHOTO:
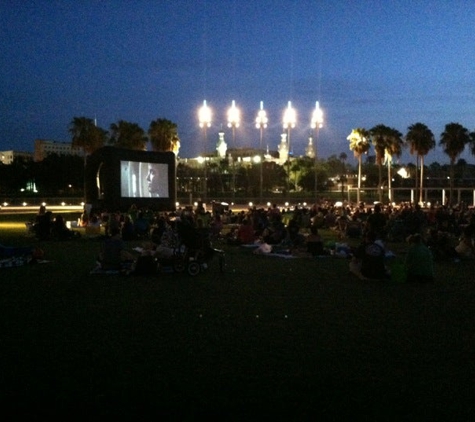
(194, 250)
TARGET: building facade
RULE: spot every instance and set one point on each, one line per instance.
(7, 157)
(43, 148)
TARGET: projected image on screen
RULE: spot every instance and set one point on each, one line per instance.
(143, 180)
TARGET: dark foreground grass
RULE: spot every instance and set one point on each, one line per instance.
(282, 339)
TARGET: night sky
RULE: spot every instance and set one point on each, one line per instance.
(366, 62)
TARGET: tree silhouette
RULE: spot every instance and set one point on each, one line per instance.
(359, 144)
(163, 135)
(453, 139)
(128, 135)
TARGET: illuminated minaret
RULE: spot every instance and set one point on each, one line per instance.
(283, 149)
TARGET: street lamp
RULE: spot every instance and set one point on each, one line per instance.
(316, 123)
(289, 120)
(234, 117)
(261, 124)
(204, 117)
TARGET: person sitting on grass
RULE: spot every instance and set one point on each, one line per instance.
(93, 227)
(368, 261)
(294, 238)
(128, 229)
(275, 232)
(419, 263)
(314, 242)
(142, 225)
(244, 235)
(465, 248)
(113, 254)
(42, 225)
(59, 231)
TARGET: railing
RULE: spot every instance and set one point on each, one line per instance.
(435, 195)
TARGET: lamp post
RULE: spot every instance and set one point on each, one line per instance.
(316, 123)
(234, 117)
(204, 117)
(289, 120)
(261, 124)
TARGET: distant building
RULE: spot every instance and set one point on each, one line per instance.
(43, 148)
(7, 157)
(283, 149)
(310, 150)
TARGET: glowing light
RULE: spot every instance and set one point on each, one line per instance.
(24, 204)
(204, 115)
(261, 119)
(256, 159)
(234, 116)
(201, 159)
(290, 117)
(403, 173)
(317, 117)
(251, 204)
(44, 204)
(63, 204)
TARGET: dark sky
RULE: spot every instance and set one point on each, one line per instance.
(366, 62)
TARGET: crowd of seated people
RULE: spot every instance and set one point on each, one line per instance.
(49, 227)
(439, 232)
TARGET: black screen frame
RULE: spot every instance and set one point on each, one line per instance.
(103, 179)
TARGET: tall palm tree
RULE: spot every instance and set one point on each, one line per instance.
(394, 147)
(453, 139)
(86, 135)
(421, 140)
(360, 145)
(163, 135)
(128, 135)
(379, 135)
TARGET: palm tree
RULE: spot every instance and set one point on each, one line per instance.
(394, 146)
(379, 135)
(128, 135)
(343, 157)
(86, 135)
(453, 139)
(163, 135)
(421, 140)
(360, 145)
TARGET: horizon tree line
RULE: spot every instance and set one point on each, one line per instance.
(388, 142)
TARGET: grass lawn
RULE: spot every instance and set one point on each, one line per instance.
(283, 339)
